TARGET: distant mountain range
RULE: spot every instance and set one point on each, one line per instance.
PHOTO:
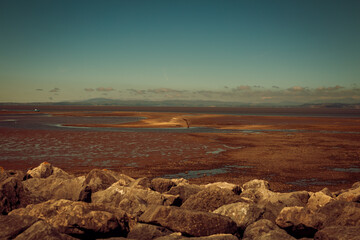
(184, 103)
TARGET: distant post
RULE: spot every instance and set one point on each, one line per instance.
(187, 122)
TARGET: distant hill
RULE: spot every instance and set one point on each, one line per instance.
(183, 103)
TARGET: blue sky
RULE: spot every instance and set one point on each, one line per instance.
(248, 51)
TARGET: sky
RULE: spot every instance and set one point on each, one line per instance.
(223, 50)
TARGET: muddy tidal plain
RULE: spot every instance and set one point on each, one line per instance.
(291, 148)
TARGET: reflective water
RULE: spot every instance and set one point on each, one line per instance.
(206, 172)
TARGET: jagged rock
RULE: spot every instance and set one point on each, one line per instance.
(352, 194)
(338, 233)
(210, 199)
(273, 202)
(178, 236)
(161, 185)
(143, 183)
(11, 226)
(242, 213)
(298, 221)
(265, 230)
(4, 174)
(98, 179)
(143, 231)
(42, 230)
(180, 181)
(85, 194)
(193, 223)
(339, 213)
(55, 187)
(318, 200)
(256, 184)
(132, 200)
(224, 185)
(80, 219)
(11, 194)
(185, 190)
(44, 170)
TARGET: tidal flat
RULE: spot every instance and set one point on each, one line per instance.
(293, 148)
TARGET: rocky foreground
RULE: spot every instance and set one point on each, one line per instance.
(48, 203)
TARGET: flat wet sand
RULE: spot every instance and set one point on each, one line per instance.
(308, 153)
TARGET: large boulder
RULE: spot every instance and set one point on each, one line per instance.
(338, 233)
(352, 194)
(143, 231)
(179, 236)
(161, 184)
(193, 223)
(132, 200)
(274, 202)
(44, 170)
(303, 222)
(55, 187)
(11, 226)
(185, 191)
(143, 183)
(225, 185)
(318, 200)
(98, 179)
(210, 199)
(12, 194)
(298, 221)
(339, 213)
(242, 213)
(42, 230)
(265, 230)
(80, 219)
(256, 184)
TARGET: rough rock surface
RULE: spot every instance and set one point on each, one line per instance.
(242, 213)
(54, 187)
(161, 184)
(273, 202)
(42, 230)
(11, 193)
(265, 230)
(179, 236)
(98, 179)
(185, 191)
(193, 223)
(298, 221)
(42, 204)
(11, 226)
(352, 194)
(133, 200)
(338, 233)
(210, 199)
(224, 185)
(318, 200)
(147, 231)
(44, 170)
(79, 218)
